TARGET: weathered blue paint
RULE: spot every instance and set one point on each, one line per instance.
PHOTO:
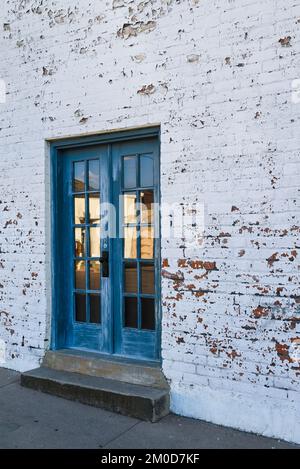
(129, 341)
(109, 337)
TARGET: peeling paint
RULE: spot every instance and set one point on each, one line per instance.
(132, 30)
(147, 90)
(285, 41)
(283, 351)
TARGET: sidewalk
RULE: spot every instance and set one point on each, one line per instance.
(29, 419)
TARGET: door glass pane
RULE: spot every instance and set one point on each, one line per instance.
(95, 241)
(147, 171)
(79, 177)
(80, 275)
(131, 312)
(94, 208)
(95, 311)
(94, 175)
(147, 242)
(148, 313)
(146, 207)
(130, 275)
(94, 275)
(79, 209)
(130, 208)
(130, 251)
(147, 279)
(129, 175)
(80, 307)
(79, 242)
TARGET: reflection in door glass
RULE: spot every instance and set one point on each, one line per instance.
(94, 241)
(80, 307)
(95, 309)
(94, 175)
(94, 208)
(94, 275)
(147, 278)
(130, 207)
(148, 313)
(147, 242)
(79, 242)
(130, 274)
(80, 275)
(130, 251)
(147, 171)
(147, 207)
(79, 177)
(129, 175)
(131, 312)
(79, 209)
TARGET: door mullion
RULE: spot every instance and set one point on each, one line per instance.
(138, 240)
(87, 253)
(105, 245)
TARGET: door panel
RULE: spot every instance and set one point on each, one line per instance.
(86, 291)
(137, 314)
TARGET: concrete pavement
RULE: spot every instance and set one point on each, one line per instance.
(30, 419)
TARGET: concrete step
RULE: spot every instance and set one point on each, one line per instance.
(142, 402)
(89, 363)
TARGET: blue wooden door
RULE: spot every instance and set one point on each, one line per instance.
(137, 249)
(107, 232)
(84, 319)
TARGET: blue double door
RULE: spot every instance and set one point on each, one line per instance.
(108, 249)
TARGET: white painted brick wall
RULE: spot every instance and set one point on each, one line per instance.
(222, 72)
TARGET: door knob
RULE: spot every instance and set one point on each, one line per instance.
(104, 259)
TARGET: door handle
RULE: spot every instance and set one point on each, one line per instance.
(104, 259)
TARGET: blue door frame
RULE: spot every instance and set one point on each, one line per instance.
(135, 341)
